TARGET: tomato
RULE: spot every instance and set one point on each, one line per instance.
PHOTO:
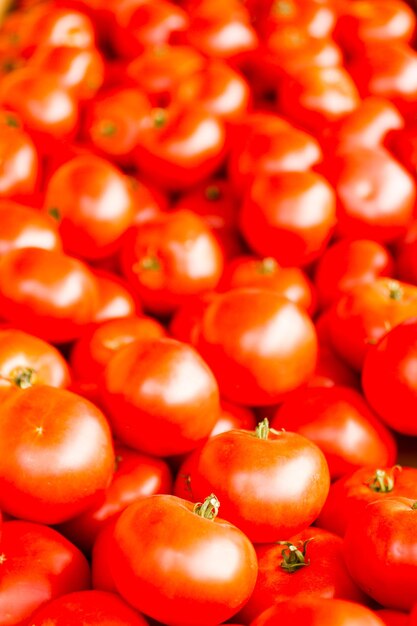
(43, 104)
(116, 298)
(340, 422)
(37, 564)
(276, 218)
(91, 608)
(152, 406)
(184, 147)
(266, 506)
(213, 571)
(47, 293)
(388, 378)
(91, 353)
(94, 208)
(383, 539)
(308, 565)
(393, 618)
(318, 612)
(259, 345)
(331, 370)
(348, 263)
(318, 96)
(19, 171)
(136, 476)
(365, 314)
(170, 258)
(101, 559)
(26, 360)
(376, 195)
(291, 282)
(55, 457)
(352, 492)
(24, 227)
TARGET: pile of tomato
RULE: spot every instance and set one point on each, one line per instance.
(208, 313)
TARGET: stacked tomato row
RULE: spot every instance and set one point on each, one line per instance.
(208, 304)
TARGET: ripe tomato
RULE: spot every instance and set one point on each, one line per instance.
(267, 505)
(47, 293)
(19, 171)
(388, 378)
(340, 422)
(308, 565)
(318, 612)
(37, 564)
(379, 551)
(352, 492)
(116, 298)
(91, 608)
(390, 617)
(348, 263)
(194, 567)
(152, 405)
(170, 258)
(24, 227)
(365, 314)
(55, 457)
(259, 345)
(276, 218)
(92, 201)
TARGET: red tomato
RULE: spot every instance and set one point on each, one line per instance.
(170, 258)
(394, 618)
(318, 612)
(91, 608)
(101, 559)
(116, 298)
(340, 422)
(24, 227)
(318, 96)
(37, 564)
(259, 345)
(348, 263)
(383, 539)
(331, 370)
(233, 416)
(267, 505)
(184, 147)
(136, 476)
(55, 457)
(308, 565)
(388, 377)
(91, 353)
(93, 204)
(193, 565)
(365, 314)
(276, 218)
(47, 293)
(153, 407)
(291, 282)
(19, 165)
(351, 493)
(376, 195)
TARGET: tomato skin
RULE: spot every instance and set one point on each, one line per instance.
(365, 314)
(348, 263)
(276, 218)
(101, 559)
(318, 612)
(24, 227)
(388, 379)
(199, 583)
(20, 167)
(152, 408)
(92, 608)
(394, 618)
(264, 506)
(324, 574)
(170, 258)
(376, 194)
(47, 293)
(41, 562)
(383, 537)
(60, 440)
(94, 205)
(340, 422)
(351, 493)
(116, 298)
(136, 476)
(259, 345)
(332, 370)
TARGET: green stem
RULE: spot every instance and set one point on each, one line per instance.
(383, 481)
(207, 509)
(293, 557)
